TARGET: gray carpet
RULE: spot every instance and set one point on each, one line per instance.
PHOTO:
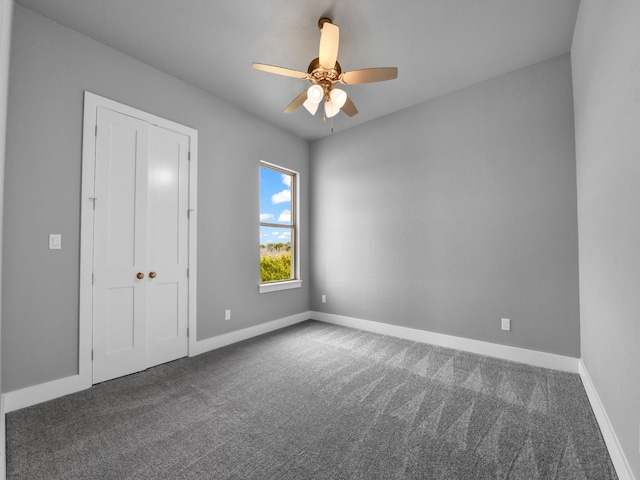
(317, 401)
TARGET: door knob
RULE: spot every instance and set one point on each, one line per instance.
(152, 274)
(140, 275)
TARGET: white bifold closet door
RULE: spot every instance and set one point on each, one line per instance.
(141, 248)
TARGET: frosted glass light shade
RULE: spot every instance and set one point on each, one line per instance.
(312, 107)
(315, 94)
(330, 109)
(338, 97)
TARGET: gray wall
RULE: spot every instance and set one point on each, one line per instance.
(6, 13)
(452, 214)
(51, 66)
(606, 78)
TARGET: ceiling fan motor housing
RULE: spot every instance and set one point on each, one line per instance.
(323, 77)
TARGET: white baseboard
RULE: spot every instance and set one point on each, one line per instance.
(219, 341)
(522, 355)
(29, 396)
(623, 469)
(44, 392)
(26, 397)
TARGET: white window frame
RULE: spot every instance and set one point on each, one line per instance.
(296, 282)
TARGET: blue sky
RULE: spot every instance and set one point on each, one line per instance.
(275, 205)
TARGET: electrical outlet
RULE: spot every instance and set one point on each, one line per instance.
(227, 314)
(324, 299)
(55, 241)
(506, 324)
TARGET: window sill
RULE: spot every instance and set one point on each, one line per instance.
(277, 286)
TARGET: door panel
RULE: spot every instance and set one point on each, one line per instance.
(167, 328)
(168, 245)
(119, 162)
(119, 297)
(164, 179)
(120, 319)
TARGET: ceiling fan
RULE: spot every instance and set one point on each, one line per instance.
(324, 72)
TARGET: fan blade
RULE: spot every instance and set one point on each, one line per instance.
(299, 100)
(287, 72)
(329, 41)
(349, 108)
(369, 75)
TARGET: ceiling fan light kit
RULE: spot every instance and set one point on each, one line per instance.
(324, 72)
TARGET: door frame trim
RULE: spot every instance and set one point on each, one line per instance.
(85, 327)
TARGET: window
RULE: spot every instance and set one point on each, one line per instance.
(279, 266)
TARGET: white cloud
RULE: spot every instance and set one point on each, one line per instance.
(286, 179)
(266, 216)
(282, 237)
(285, 216)
(281, 197)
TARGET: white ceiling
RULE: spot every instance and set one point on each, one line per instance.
(438, 45)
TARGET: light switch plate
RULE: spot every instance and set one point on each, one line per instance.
(55, 241)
